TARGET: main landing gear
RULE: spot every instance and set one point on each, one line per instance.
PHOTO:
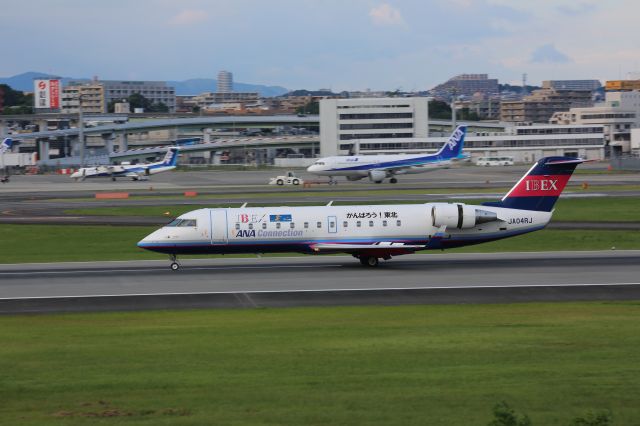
(393, 180)
(370, 261)
(174, 262)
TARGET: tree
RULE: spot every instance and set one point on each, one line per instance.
(602, 418)
(310, 108)
(439, 109)
(15, 101)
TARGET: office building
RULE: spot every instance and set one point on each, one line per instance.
(572, 85)
(90, 96)
(618, 114)
(345, 121)
(117, 90)
(225, 82)
(542, 104)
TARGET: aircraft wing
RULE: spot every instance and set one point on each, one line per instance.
(380, 248)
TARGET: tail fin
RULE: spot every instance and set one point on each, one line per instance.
(453, 147)
(171, 157)
(541, 186)
(6, 145)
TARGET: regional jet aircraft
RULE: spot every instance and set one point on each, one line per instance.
(133, 171)
(380, 167)
(372, 232)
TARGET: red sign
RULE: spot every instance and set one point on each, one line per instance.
(540, 186)
(54, 90)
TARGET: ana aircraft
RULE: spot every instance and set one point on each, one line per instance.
(372, 232)
(380, 167)
(133, 171)
(6, 145)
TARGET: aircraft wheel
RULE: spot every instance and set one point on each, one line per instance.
(280, 182)
(175, 266)
(370, 261)
(296, 182)
(113, 179)
(393, 180)
(378, 181)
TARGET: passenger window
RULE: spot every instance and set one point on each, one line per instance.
(264, 225)
(251, 226)
(332, 224)
(319, 225)
(370, 223)
(237, 226)
(306, 225)
(292, 225)
(277, 225)
(384, 223)
(345, 223)
(358, 224)
(398, 223)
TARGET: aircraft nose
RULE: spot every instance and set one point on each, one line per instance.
(312, 168)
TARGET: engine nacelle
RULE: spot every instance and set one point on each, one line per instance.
(377, 175)
(460, 216)
(354, 178)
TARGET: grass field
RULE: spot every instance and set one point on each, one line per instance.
(64, 243)
(410, 365)
(593, 209)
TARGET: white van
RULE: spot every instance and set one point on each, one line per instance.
(495, 161)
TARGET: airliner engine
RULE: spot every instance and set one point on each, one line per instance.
(460, 216)
(377, 175)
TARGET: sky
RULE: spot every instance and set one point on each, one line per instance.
(312, 44)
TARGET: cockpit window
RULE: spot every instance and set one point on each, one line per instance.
(183, 223)
(319, 163)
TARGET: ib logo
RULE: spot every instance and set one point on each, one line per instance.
(454, 139)
(541, 185)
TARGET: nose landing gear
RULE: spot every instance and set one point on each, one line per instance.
(174, 262)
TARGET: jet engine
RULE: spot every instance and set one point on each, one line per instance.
(377, 176)
(460, 216)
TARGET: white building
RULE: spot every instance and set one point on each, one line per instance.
(524, 143)
(618, 115)
(345, 121)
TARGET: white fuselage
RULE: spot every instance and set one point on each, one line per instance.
(304, 229)
(361, 165)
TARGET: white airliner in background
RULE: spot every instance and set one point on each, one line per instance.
(380, 167)
(371, 232)
(133, 171)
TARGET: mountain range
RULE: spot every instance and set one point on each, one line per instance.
(194, 86)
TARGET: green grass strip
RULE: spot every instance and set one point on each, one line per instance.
(408, 365)
(65, 243)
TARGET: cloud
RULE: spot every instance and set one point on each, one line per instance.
(548, 53)
(386, 15)
(576, 10)
(189, 17)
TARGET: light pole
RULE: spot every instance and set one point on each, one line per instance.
(81, 129)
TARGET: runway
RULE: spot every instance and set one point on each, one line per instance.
(313, 281)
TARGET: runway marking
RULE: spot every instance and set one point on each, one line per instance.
(325, 290)
(213, 268)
